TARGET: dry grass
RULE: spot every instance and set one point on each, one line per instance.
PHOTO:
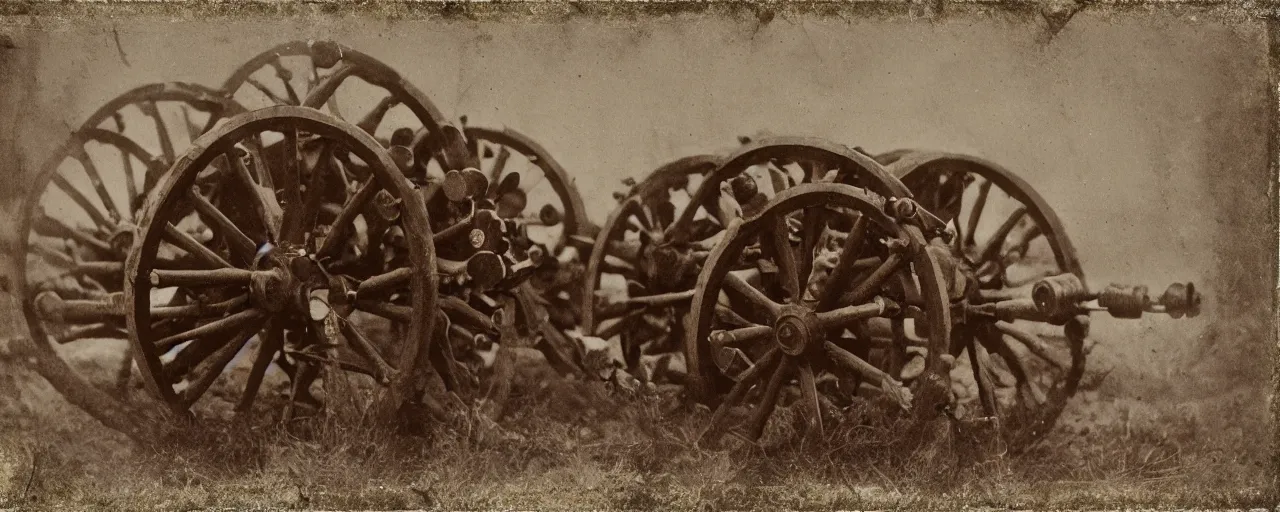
(572, 445)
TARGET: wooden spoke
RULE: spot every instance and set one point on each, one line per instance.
(746, 381)
(728, 316)
(499, 165)
(95, 179)
(866, 370)
(286, 77)
(50, 226)
(769, 401)
(385, 310)
(615, 265)
(193, 247)
(193, 353)
(841, 274)
(266, 91)
(84, 203)
(352, 208)
(980, 363)
(872, 284)
(268, 347)
(735, 283)
(790, 270)
(209, 369)
(126, 163)
(999, 344)
(815, 223)
(382, 372)
(199, 310)
(1035, 344)
(996, 243)
(269, 216)
(809, 393)
(975, 214)
(89, 332)
(848, 315)
(200, 278)
(741, 335)
(310, 207)
(382, 284)
(162, 131)
(236, 321)
(369, 123)
(613, 329)
(240, 243)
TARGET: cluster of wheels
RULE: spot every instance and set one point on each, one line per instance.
(202, 225)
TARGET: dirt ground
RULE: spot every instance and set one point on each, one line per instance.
(1146, 132)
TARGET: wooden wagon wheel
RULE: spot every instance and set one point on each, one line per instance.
(79, 218)
(319, 74)
(273, 271)
(1007, 239)
(850, 278)
(654, 244)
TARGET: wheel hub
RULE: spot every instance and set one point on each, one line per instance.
(282, 280)
(796, 330)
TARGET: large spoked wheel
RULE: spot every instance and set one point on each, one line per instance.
(653, 246)
(1008, 238)
(79, 219)
(351, 86)
(824, 290)
(273, 275)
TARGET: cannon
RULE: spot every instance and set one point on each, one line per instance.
(835, 291)
(266, 219)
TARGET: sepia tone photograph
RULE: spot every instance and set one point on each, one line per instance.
(638, 256)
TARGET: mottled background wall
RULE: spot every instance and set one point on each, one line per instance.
(1146, 132)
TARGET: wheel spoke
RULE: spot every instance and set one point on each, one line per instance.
(162, 131)
(193, 247)
(809, 390)
(304, 214)
(499, 165)
(868, 287)
(778, 235)
(130, 176)
(84, 203)
(996, 243)
(751, 293)
(769, 401)
(44, 224)
(369, 123)
(286, 77)
(269, 214)
(741, 335)
(236, 321)
(1035, 344)
(95, 179)
(815, 223)
(842, 273)
(382, 372)
(383, 284)
(209, 369)
(200, 278)
(385, 310)
(746, 381)
(199, 310)
(268, 346)
(848, 315)
(266, 91)
(240, 242)
(352, 208)
(975, 214)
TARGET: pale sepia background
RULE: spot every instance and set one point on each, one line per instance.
(1146, 132)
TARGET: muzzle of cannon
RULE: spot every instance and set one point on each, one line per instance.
(1064, 296)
